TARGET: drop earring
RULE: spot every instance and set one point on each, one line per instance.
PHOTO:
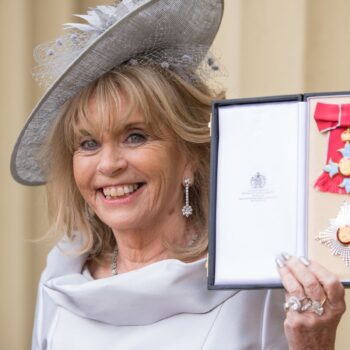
(187, 209)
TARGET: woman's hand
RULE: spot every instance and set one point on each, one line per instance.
(319, 305)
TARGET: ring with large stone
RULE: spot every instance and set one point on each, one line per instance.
(294, 303)
(317, 307)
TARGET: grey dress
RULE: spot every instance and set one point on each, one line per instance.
(165, 305)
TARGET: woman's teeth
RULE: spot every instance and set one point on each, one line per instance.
(119, 191)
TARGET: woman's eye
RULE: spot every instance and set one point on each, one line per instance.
(136, 138)
(88, 145)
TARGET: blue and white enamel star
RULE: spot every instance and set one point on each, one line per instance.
(337, 235)
(331, 168)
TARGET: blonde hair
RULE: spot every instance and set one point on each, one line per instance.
(168, 103)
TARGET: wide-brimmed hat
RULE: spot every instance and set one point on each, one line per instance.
(114, 35)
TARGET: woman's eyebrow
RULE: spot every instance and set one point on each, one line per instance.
(117, 129)
(83, 132)
(135, 124)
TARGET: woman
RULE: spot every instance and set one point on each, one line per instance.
(123, 134)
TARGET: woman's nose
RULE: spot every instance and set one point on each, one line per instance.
(111, 161)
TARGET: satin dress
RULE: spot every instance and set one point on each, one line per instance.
(165, 305)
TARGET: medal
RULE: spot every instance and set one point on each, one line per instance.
(337, 235)
(343, 166)
(335, 119)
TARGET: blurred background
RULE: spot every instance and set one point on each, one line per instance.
(269, 47)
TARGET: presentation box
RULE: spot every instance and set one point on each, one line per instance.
(280, 182)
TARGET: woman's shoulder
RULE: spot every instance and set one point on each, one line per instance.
(64, 258)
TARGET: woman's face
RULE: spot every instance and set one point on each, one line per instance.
(132, 180)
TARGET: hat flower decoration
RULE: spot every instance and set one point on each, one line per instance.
(53, 57)
(174, 34)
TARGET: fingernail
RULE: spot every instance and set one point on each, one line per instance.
(286, 256)
(279, 262)
(304, 260)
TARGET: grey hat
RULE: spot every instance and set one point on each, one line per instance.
(114, 35)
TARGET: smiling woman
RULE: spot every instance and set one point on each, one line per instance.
(134, 135)
(121, 138)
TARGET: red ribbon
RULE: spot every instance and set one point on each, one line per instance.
(334, 118)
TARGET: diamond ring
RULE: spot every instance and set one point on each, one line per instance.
(304, 304)
(294, 303)
(317, 306)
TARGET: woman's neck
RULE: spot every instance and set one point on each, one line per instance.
(138, 248)
(136, 252)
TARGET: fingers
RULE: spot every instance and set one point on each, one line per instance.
(289, 281)
(330, 283)
(303, 278)
(311, 319)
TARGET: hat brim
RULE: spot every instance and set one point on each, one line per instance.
(181, 22)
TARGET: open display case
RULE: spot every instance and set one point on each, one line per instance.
(280, 182)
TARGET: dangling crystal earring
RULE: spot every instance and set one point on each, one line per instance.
(187, 209)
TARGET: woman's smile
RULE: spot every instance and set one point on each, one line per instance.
(120, 194)
(118, 191)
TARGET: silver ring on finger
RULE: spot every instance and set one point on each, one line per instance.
(294, 303)
(313, 306)
(317, 307)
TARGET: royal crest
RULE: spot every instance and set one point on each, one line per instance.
(258, 181)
